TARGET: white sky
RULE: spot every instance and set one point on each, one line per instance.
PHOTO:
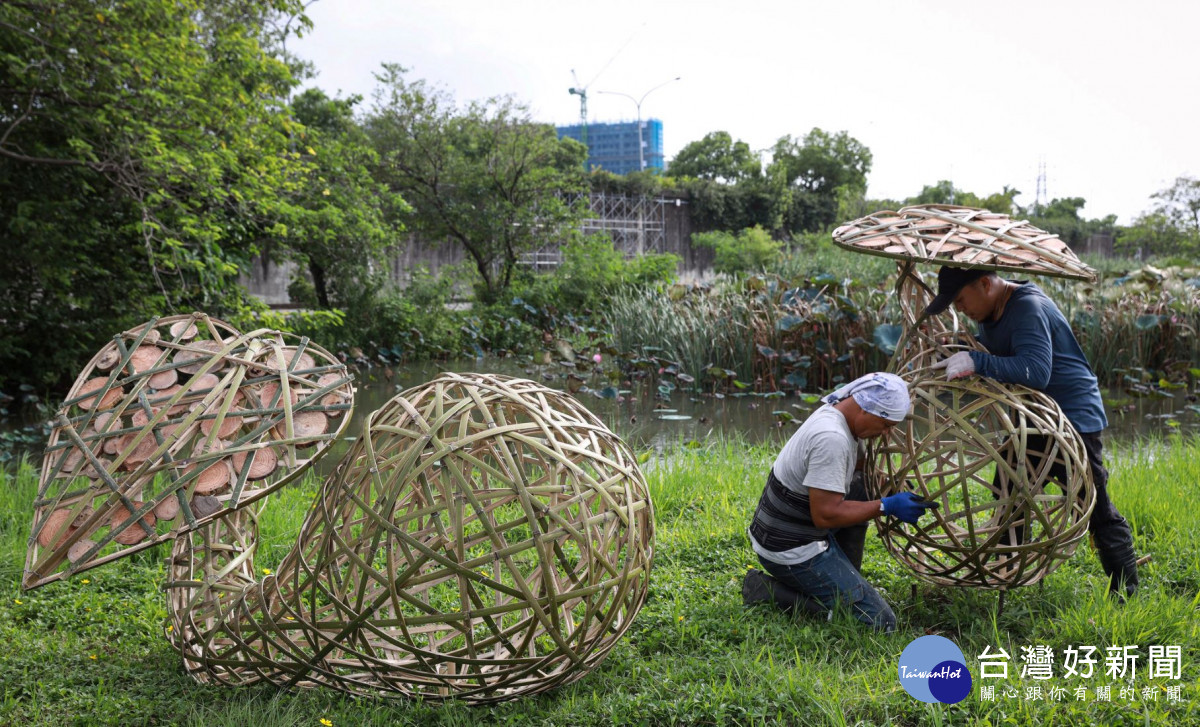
(1105, 93)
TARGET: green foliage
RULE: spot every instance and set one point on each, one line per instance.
(944, 192)
(750, 250)
(593, 269)
(484, 176)
(145, 162)
(716, 157)
(814, 170)
(341, 220)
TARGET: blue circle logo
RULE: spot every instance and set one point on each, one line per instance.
(932, 669)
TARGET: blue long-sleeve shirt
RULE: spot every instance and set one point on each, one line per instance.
(1032, 344)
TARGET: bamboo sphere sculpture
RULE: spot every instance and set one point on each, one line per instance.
(1005, 465)
(170, 425)
(484, 539)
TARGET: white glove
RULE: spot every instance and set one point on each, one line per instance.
(957, 366)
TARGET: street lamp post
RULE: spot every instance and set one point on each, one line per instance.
(638, 103)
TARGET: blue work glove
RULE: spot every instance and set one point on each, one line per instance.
(906, 506)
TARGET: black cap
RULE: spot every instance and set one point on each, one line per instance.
(950, 281)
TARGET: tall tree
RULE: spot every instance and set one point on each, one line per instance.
(1180, 203)
(483, 176)
(145, 159)
(815, 168)
(344, 220)
(717, 157)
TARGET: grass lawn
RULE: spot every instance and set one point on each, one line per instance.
(91, 650)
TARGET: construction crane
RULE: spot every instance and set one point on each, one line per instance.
(581, 91)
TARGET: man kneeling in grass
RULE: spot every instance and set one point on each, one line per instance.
(811, 522)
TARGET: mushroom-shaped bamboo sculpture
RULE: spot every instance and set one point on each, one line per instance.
(485, 538)
(1008, 469)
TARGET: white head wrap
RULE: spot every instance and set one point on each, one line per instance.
(884, 395)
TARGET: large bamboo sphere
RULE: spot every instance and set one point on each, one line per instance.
(484, 539)
(984, 452)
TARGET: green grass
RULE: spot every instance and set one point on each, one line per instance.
(694, 655)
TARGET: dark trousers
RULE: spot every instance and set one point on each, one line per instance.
(1111, 534)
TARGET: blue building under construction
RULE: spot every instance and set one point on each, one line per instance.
(614, 146)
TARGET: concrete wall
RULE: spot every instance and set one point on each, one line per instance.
(269, 280)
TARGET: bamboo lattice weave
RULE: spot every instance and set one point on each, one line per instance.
(170, 425)
(486, 538)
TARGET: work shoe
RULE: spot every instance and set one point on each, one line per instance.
(759, 587)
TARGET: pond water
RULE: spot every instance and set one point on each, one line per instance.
(646, 420)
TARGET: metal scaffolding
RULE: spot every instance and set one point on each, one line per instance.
(636, 225)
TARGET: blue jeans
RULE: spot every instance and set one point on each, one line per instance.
(832, 579)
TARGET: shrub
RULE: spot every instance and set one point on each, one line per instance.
(750, 250)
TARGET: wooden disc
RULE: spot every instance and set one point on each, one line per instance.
(145, 358)
(112, 445)
(101, 420)
(263, 463)
(108, 358)
(333, 398)
(140, 418)
(105, 402)
(269, 397)
(306, 424)
(164, 379)
(79, 549)
(196, 354)
(229, 425)
(83, 516)
(140, 453)
(213, 478)
(204, 505)
(168, 508)
(135, 533)
(183, 330)
(89, 469)
(56, 528)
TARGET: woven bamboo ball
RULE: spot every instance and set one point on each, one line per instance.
(175, 422)
(1008, 472)
(485, 538)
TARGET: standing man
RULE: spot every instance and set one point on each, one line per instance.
(810, 525)
(1029, 342)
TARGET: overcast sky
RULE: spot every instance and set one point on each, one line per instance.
(1104, 93)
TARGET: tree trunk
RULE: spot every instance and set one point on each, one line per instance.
(319, 285)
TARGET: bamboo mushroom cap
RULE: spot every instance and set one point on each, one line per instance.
(135, 533)
(263, 463)
(111, 397)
